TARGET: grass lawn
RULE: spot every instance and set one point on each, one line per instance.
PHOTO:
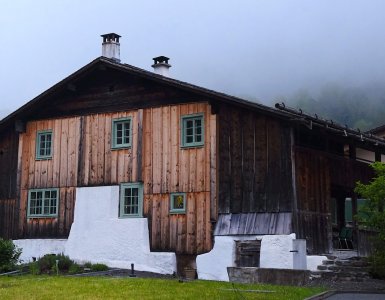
(59, 287)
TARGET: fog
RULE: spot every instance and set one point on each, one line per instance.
(259, 50)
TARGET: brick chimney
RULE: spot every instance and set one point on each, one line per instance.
(161, 65)
(111, 46)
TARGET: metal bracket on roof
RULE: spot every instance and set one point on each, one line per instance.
(310, 125)
(362, 138)
(345, 133)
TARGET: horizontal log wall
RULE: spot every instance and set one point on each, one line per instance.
(255, 171)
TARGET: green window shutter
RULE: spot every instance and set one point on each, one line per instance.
(44, 144)
(121, 133)
(131, 200)
(192, 132)
(178, 203)
(43, 203)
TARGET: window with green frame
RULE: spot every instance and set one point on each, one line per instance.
(178, 203)
(43, 203)
(192, 130)
(44, 144)
(121, 133)
(131, 200)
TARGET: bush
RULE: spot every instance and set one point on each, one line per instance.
(374, 211)
(75, 269)
(47, 264)
(99, 267)
(9, 255)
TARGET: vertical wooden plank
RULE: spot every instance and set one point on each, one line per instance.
(32, 151)
(236, 162)
(64, 153)
(184, 173)
(107, 149)
(165, 226)
(139, 150)
(93, 149)
(72, 149)
(261, 165)
(191, 224)
(80, 161)
(147, 150)
(213, 164)
(165, 146)
(100, 149)
(157, 150)
(175, 148)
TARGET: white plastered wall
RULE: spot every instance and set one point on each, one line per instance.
(99, 235)
(275, 253)
(39, 247)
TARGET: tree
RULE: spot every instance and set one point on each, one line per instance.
(373, 215)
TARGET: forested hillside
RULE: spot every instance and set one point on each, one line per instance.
(362, 108)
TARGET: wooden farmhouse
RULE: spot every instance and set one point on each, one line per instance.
(121, 165)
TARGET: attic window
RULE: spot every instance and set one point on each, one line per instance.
(121, 135)
(192, 130)
(44, 145)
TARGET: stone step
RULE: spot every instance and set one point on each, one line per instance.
(331, 257)
(352, 263)
(323, 268)
(337, 268)
(328, 262)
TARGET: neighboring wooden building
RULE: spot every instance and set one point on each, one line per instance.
(194, 162)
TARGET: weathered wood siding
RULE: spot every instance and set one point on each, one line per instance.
(255, 171)
(312, 218)
(82, 156)
(8, 163)
(8, 218)
(317, 173)
(169, 168)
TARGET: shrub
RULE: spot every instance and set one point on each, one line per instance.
(75, 269)
(34, 268)
(88, 265)
(99, 267)
(47, 264)
(9, 255)
(374, 211)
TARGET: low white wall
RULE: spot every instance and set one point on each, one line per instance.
(313, 261)
(275, 253)
(98, 235)
(39, 247)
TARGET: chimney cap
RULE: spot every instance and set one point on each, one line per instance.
(110, 36)
(161, 60)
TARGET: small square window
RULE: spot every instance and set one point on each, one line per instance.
(121, 135)
(44, 145)
(192, 130)
(178, 203)
(131, 199)
(43, 203)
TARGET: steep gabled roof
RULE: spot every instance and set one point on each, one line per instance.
(100, 61)
(217, 97)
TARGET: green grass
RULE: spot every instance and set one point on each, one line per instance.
(59, 287)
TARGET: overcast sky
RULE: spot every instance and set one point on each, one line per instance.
(249, 48)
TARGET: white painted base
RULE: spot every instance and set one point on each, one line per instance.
(39, 247)
(99, 236)
(313, 261)
(275, 253)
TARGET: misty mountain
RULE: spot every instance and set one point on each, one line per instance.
(362, 108)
